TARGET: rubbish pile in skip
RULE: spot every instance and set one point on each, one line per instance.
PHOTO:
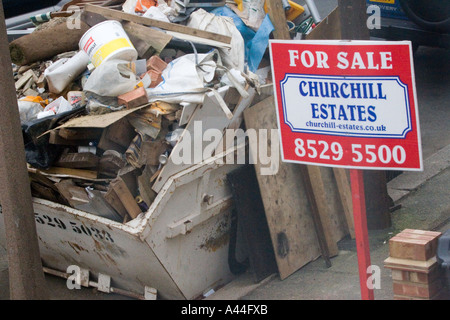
(105, 94)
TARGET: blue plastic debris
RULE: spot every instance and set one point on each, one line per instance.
(256, 42)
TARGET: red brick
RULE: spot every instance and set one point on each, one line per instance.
(156, 63)
(155, 77)
(416, 236)
(416, 277)
(400, 297)
(422, 232)
(405, 247)
(440, 295)
(133, 98)
(416, 290)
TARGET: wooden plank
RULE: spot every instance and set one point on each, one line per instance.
(320, 196)
(345, 194)
(278, 18)
(318, 226)
(114, 201)
(110, 164)
(73, 173)
(312, 177)
(286, 205)
(73, 194)
(120, 132)
(238, 117)
(55, 138)
(145, 187)
(24, 79)
(154, 40)
(329, 28)
(125, 196)
(119, 15)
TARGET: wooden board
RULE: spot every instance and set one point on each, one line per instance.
(330, 28)
(312, 177)
(70, 173)
(125, 196)
(321, 199)
(153, 39)
(345, 194)
(120, 15)
(278, 18)
(286, 205)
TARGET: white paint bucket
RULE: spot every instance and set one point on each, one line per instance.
(107, 40)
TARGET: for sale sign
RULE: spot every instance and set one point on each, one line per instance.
(347, 104)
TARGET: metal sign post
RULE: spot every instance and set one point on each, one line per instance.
(361, 233)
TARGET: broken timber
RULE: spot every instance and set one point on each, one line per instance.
(180, 29)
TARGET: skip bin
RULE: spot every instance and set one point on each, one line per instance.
(179, 246)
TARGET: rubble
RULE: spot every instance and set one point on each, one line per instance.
(100, 125)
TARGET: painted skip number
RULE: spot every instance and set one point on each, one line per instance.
(75, 227)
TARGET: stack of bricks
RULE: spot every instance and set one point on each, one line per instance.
(416, 273)
(138, 97)
(133, 99)
(155, 67)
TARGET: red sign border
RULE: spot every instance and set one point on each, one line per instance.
(353, 43)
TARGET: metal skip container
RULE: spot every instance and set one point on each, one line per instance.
(179, 247)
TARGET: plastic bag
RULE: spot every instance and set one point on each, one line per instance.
(189, 78)
(254, 11)
(156, 13)
(255, 42)
(181, 80)
(39, 152)
(111, 79)
(234, 57)
(29, 107)
(129, 6)
(58, 106)
(143, 5)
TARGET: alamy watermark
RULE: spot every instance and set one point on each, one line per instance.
(200, 145)
(374, 280)
(374, 20)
